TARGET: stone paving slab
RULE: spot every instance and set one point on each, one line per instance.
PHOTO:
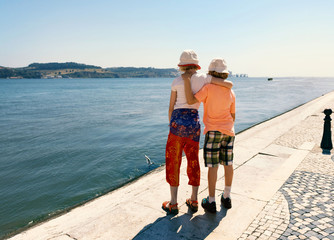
(202, 225)
(266, 156)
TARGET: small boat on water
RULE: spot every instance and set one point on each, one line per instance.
(270, 79)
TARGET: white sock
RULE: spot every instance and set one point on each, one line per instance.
(227, 191)
(212, 199)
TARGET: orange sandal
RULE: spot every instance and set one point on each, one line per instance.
(171, 208)
(192, 204)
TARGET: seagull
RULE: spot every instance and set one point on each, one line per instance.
(148, 160)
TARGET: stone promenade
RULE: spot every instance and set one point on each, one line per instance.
(283, 188)
(303, 208)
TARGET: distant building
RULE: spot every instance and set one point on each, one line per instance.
(49, 76)
(238, 75)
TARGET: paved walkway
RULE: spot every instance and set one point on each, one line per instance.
(283, 188)
(303, 208)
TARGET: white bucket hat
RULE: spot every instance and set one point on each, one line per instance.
(188, 58)
(218, 65)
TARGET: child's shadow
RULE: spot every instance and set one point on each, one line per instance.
(186, 226)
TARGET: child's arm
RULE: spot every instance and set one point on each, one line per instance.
(222, 82)
(172, 101)
(232, 109)
(187, 88)
(233, 116)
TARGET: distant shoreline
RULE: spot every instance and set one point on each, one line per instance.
(75, 70)
(71, 70)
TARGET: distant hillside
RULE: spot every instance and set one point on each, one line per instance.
(78, 70)
(128, 72)
(59, 66)
(18, 73)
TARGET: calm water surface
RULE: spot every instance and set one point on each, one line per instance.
(63, 142)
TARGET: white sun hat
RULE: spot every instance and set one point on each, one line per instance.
(218, 65)
(188, 58)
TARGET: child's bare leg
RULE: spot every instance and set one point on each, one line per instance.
(194, 193)
(173, 194)
(212, 179)
(228, 180)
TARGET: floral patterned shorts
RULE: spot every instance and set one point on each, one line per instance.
(185, 123)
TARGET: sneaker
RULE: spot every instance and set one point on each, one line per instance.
(226, 202)
(210, 207)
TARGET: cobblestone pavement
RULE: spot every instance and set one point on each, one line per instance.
(303, 208)
(271, 222)
(311, 205)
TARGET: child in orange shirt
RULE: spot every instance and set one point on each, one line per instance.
(218, 118)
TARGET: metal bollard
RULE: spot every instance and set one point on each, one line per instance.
(326, 142)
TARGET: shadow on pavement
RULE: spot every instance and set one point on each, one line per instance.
(186, 226)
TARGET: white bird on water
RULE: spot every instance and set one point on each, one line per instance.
(148, 160)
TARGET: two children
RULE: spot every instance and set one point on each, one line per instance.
(185, 130)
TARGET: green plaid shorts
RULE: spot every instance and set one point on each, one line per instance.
(218, 149)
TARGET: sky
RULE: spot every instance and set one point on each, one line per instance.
(261, 38)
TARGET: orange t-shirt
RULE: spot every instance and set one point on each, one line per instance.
(219, 103)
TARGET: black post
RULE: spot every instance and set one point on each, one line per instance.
(326, 142)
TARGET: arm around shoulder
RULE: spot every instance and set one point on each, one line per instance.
(222, 82)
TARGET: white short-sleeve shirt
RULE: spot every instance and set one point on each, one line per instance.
(197, 82)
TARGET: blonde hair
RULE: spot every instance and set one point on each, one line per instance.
(218, 75)
(185, 68)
